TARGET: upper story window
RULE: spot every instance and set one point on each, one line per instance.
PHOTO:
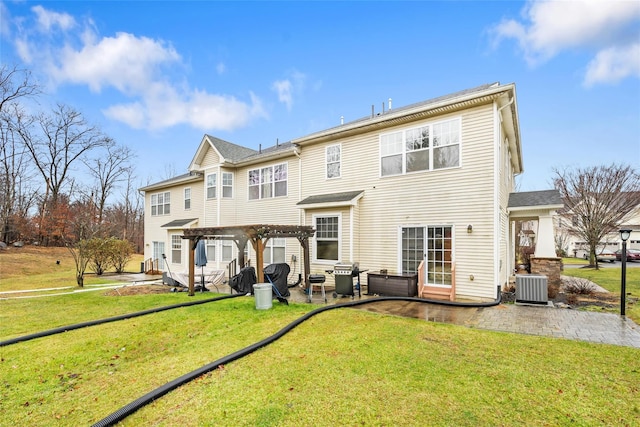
(212, 185)
(187, 198)
(267, 182)
(333, 161)
(227, 184)
(429, 147)
(161, 204)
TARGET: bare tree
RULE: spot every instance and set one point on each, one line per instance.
(15, 85)
(56, 142)
(108, 170)
(598, 198)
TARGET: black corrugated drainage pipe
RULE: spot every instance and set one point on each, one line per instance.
(111, 319)
(130, 408)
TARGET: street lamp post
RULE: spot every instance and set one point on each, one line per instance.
(624, 236)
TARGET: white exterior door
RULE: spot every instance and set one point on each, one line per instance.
(158, 251)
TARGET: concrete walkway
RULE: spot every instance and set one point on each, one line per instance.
(604, 328)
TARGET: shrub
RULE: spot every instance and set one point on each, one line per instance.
(579, 286)
(120, 254)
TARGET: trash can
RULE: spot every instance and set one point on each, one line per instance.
(263, 295)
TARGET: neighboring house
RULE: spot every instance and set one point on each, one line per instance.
(577, 247)
(432, 181)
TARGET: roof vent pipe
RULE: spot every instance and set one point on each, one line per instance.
(341, 120)
(259, 148)
(372, 111)
(389, 104)
(383, 108)
(277, 142)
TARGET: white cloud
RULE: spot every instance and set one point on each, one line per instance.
(48, 19)
(614, 64)
(126, 62)
(287, 88)
(284, 89)
(139, 68)
(163, 107)
(549, 27)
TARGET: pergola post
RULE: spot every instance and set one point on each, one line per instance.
(259, 248)
(192, 246)
(304, 242)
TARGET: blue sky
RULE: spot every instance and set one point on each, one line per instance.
(157, 75)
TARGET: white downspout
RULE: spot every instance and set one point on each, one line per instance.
(496, 198)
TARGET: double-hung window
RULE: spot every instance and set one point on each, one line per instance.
(161, 204)
(268, 182)
(274, 251)
(176, 249)
(332, 155)
(428, 147)
(327, 238)
(227, 185)
(212, 185)
(187, 198)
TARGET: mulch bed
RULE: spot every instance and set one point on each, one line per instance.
(138, 290)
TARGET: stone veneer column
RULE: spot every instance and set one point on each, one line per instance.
(550, 267)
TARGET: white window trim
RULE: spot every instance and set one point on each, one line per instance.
(190, 199)
(430, 149)
(165, 195)
(315, 238)
(426, 233)
(226, 186)
(273, 182)
(172, 238)
(207, 186)
(339, 162)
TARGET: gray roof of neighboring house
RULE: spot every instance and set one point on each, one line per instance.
(535, 198)
(331, 198)
(178, 223)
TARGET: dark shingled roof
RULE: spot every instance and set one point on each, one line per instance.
(331, 198)
(535, 198)
(229, 150)
(179, 223)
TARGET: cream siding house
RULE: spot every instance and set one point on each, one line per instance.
(431, 181)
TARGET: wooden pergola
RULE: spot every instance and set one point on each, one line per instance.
(258, 235)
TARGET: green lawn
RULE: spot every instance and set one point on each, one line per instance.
(367, 368)
(341, 367)
(609, 276)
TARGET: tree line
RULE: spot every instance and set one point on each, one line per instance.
(62, 179)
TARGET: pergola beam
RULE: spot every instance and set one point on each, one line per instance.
(258, 235)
